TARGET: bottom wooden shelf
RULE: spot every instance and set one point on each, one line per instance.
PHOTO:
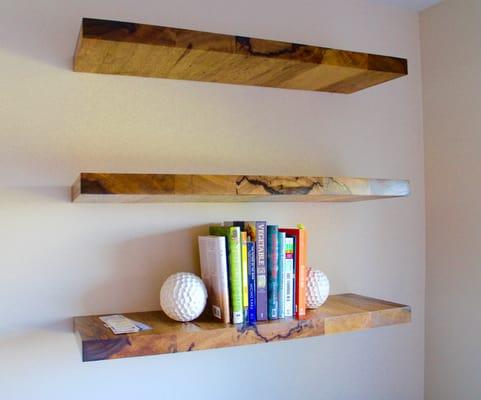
(340, 313)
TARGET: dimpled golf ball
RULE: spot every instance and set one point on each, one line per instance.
(317, 288)
(183, 296)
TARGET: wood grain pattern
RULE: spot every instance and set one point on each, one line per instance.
(125, 48)
(341, 313)
(143, 188)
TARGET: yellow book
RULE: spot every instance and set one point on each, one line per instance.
(245, 289)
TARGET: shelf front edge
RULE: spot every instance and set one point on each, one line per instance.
(341, 313)
(145, 188)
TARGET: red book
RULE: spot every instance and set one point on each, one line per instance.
(300, 236)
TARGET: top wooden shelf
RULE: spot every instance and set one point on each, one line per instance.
(125, 48)
(144, 188)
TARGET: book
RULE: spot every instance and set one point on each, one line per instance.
(289, 276)
(272, 271)
(234, 263)
(214, 273)
(245, 290)
(251, 267)
(300, 236)
(281, 289)
(256, 232)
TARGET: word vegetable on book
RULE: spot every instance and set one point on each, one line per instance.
(254, 271)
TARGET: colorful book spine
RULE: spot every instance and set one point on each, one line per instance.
(256, 232)
(251, 266)
(213, 267)
(289, 277)
(234, 257)
(261, 267)
(281, 290)
(300, 236)
(245, 284)
(272, 271)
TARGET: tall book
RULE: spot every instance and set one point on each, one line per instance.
(213, 267)
(256, 232)
(272, 271)
(281, 289)
(234, 258)
(251, 267)
(245, 290)
(300, 236)
(289, 269)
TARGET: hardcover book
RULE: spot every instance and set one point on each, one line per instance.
(289, 269)
(233, 241)
(251, 264)
(281, 290)
(256, 232)
(299, 235)
(213, 267)
(272, 271)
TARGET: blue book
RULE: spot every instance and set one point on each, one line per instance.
(251, 283)
(272, 271)
(281, 290)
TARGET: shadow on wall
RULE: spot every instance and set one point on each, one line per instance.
(139, 268)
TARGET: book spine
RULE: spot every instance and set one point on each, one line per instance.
(251, 263)
(261, 271)
(235, 277)
(272, 271)
(245, 284)
(301, 275)
(213, 266)
(300, 239)
(289, 277)
(234, 258)
(281, 290)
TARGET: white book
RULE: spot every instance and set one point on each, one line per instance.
(213, 267)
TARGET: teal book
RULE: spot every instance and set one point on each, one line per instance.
(234, 262)
(272, 272)
(281, 290)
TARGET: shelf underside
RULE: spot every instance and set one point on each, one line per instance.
(341, 313)
(125, 48)
(144, 188)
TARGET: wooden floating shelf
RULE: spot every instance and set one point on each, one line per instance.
(144, 188)
(125, 48)
(341, 313)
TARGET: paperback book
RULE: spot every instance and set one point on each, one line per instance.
(213, 267)
(272, 271)
(234, 260)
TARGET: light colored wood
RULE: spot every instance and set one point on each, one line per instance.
(341, 313)
(145, 188)
(125, 48)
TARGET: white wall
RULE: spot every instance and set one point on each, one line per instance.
(451, 37)
(59, 259)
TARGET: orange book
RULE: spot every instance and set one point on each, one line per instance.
(300, 237)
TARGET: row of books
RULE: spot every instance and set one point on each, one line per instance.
(254, 271)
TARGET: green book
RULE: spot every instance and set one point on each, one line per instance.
(234, 262)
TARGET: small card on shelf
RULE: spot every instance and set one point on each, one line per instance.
(119, 324)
